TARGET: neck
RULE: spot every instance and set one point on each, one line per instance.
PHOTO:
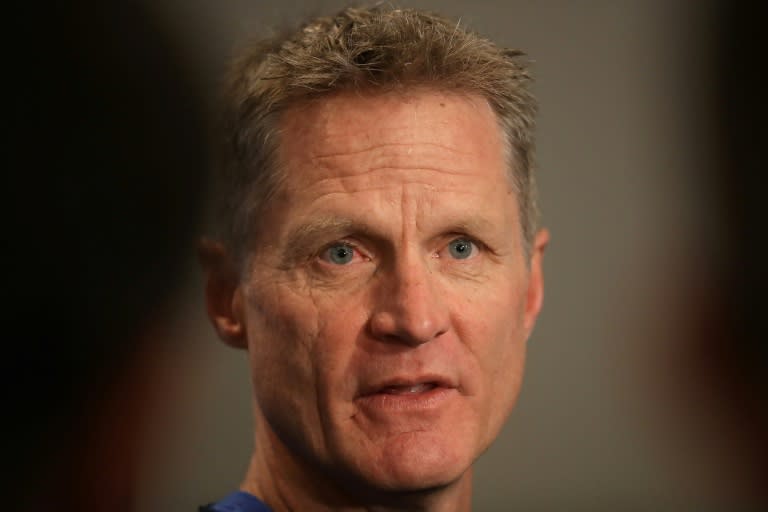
(286, 483)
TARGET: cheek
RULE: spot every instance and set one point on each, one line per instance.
(282, 327)
(492, 326)
(340, 327)
(300, 344)
(507, 353)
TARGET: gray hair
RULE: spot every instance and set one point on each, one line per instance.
(379, 48)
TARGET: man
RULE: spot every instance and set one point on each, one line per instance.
(379, 258)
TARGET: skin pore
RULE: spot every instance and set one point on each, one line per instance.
(385, 306)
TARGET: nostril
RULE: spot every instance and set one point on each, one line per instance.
(405, 329)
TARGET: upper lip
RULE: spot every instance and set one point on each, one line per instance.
(379, 386)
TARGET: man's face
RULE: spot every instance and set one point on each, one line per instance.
(387, 300)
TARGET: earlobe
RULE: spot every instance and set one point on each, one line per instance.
(223, 294)
(535, 293)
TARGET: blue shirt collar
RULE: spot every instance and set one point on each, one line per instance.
(238, 501)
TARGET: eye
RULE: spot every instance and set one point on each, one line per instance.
(339, 253)
(462, 248)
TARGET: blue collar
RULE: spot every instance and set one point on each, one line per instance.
(238, 501)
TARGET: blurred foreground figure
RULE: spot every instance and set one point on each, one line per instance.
(104, 180)
(378, 257)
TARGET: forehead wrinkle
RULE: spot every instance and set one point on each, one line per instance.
(348, 167)
(404, 211)
(448, 218)
(378, 179)
(382, 147)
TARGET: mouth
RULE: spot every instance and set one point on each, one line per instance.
(403, 395)
(409, 389)
(406, 387)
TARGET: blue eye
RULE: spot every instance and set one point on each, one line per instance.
(340, 254)
(461, 248)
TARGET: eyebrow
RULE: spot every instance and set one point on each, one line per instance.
(471, 225)
(305, 237)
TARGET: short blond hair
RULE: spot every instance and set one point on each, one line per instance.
(377, 48)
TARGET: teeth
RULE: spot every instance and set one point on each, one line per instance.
(404, 390)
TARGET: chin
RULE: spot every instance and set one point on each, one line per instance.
(413, 464)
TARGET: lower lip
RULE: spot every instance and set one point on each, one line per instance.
(404, 402)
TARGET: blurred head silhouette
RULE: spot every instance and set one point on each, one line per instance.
(104, 180)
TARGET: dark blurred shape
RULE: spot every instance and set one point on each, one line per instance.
(103, 173)
(744, 354)
(726, 355)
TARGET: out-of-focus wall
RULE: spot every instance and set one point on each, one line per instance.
(626, 149)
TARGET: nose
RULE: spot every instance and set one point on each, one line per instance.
(408, 308)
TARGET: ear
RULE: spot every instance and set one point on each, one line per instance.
(223, 293)
(535, 293)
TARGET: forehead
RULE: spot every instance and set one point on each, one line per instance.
(394, 129)
(425, 157)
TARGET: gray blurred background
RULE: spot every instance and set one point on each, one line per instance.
(618, 410)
